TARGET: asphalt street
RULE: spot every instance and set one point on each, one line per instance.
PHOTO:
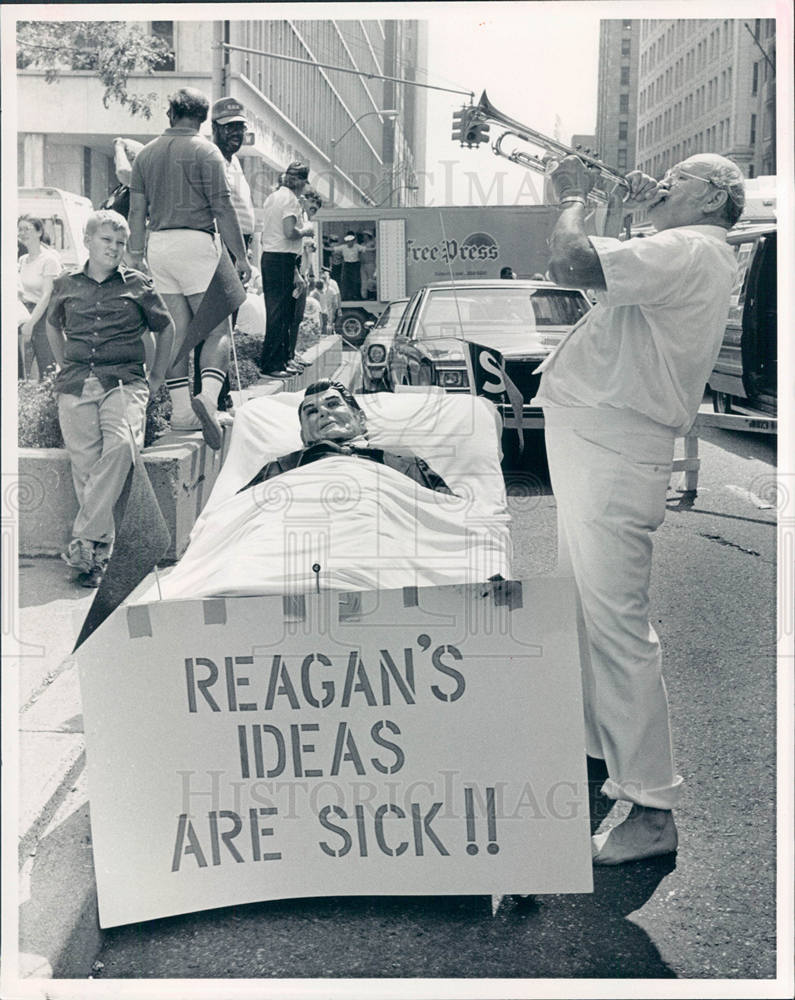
(708, 913)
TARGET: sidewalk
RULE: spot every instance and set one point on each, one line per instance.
(59, 933)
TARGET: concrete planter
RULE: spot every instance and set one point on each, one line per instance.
(181, 467)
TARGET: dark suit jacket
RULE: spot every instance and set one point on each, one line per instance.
(411, 466)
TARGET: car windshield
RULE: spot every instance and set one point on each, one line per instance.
(446, 311)
(392, 315)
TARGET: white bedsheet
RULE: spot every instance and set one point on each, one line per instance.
(365, 525)
(457, 435)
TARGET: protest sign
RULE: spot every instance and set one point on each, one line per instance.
(380, 743)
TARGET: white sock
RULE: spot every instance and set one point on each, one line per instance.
(180, 394)
(212, 383)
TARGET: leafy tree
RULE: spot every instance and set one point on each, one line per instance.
(111, 49)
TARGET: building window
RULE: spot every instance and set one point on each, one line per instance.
(750, 170)
(755, 80)
(626, 25)
(624, 76)
(164, 30)
(626, 46)
(622, 159)
(622, 130)
(753, 129)
(623, 104)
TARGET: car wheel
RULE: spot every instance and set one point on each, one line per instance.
(721, 402)
(352, 329)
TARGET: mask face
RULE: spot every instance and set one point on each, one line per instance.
(325, 416)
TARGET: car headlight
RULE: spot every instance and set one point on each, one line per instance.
(376, 353)
(452, 378)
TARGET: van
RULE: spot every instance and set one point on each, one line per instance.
(64, 216)
(744, 377)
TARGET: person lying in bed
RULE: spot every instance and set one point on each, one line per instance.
(333, 423)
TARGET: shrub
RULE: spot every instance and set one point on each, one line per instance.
(37, 409)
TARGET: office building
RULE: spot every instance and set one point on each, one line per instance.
(616, 109)
(707, 86)
(295, 111)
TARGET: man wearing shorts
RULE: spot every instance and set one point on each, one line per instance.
(179, 182)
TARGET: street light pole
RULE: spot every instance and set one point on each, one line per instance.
(389, 113)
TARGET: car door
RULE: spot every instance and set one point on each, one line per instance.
(399, 353)
(758, 345)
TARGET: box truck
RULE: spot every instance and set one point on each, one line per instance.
(379, 254)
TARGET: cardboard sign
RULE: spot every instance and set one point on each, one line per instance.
(380, 743)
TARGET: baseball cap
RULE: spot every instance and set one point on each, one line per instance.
(228, 110)
(349, 237)
(298, 169)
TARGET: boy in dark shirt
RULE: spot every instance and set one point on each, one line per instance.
(96, 323)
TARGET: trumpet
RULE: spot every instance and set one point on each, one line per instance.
(549, 152)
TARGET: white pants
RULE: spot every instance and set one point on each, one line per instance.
(610, 469)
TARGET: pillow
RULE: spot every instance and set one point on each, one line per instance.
(457, 435)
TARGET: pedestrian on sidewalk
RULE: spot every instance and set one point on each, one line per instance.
(311, 202)
(616, 392)
(333, 299)
(37, 269)
(179, 182)
(282, 233)
(96, 323)
(229, 130)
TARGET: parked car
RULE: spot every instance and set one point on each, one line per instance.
(523, 320)
(744, 378)
(376, 345)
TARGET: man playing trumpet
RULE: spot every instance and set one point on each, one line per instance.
(627, 380)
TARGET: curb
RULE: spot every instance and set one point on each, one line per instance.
(59, 933)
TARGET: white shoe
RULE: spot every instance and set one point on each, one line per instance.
(206, 410)
(645, 833)
(186, 421)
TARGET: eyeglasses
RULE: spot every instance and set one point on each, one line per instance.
(675, 174)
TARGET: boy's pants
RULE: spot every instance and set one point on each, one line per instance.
(96, 434)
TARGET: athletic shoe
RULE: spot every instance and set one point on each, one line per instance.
(79, 555)
(188, 421)
(279, 373)
(207, 412)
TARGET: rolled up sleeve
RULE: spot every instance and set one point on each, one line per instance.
(642, 271)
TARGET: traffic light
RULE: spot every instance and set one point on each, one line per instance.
(467, 131)
(460, 119)
(476, 133)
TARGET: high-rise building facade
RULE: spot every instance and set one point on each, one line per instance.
(616, 109)
(328, 118)
(707, 86)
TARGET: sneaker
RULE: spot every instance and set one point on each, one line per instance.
(188, 421)
(207, 412)
(79, 555)
(93, 578)
(279, 373)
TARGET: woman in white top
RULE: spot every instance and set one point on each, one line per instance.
(37, 269)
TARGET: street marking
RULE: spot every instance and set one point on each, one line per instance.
(750, 497)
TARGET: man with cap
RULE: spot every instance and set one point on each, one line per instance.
(179, 184)
(229, 131)
(282, 234)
